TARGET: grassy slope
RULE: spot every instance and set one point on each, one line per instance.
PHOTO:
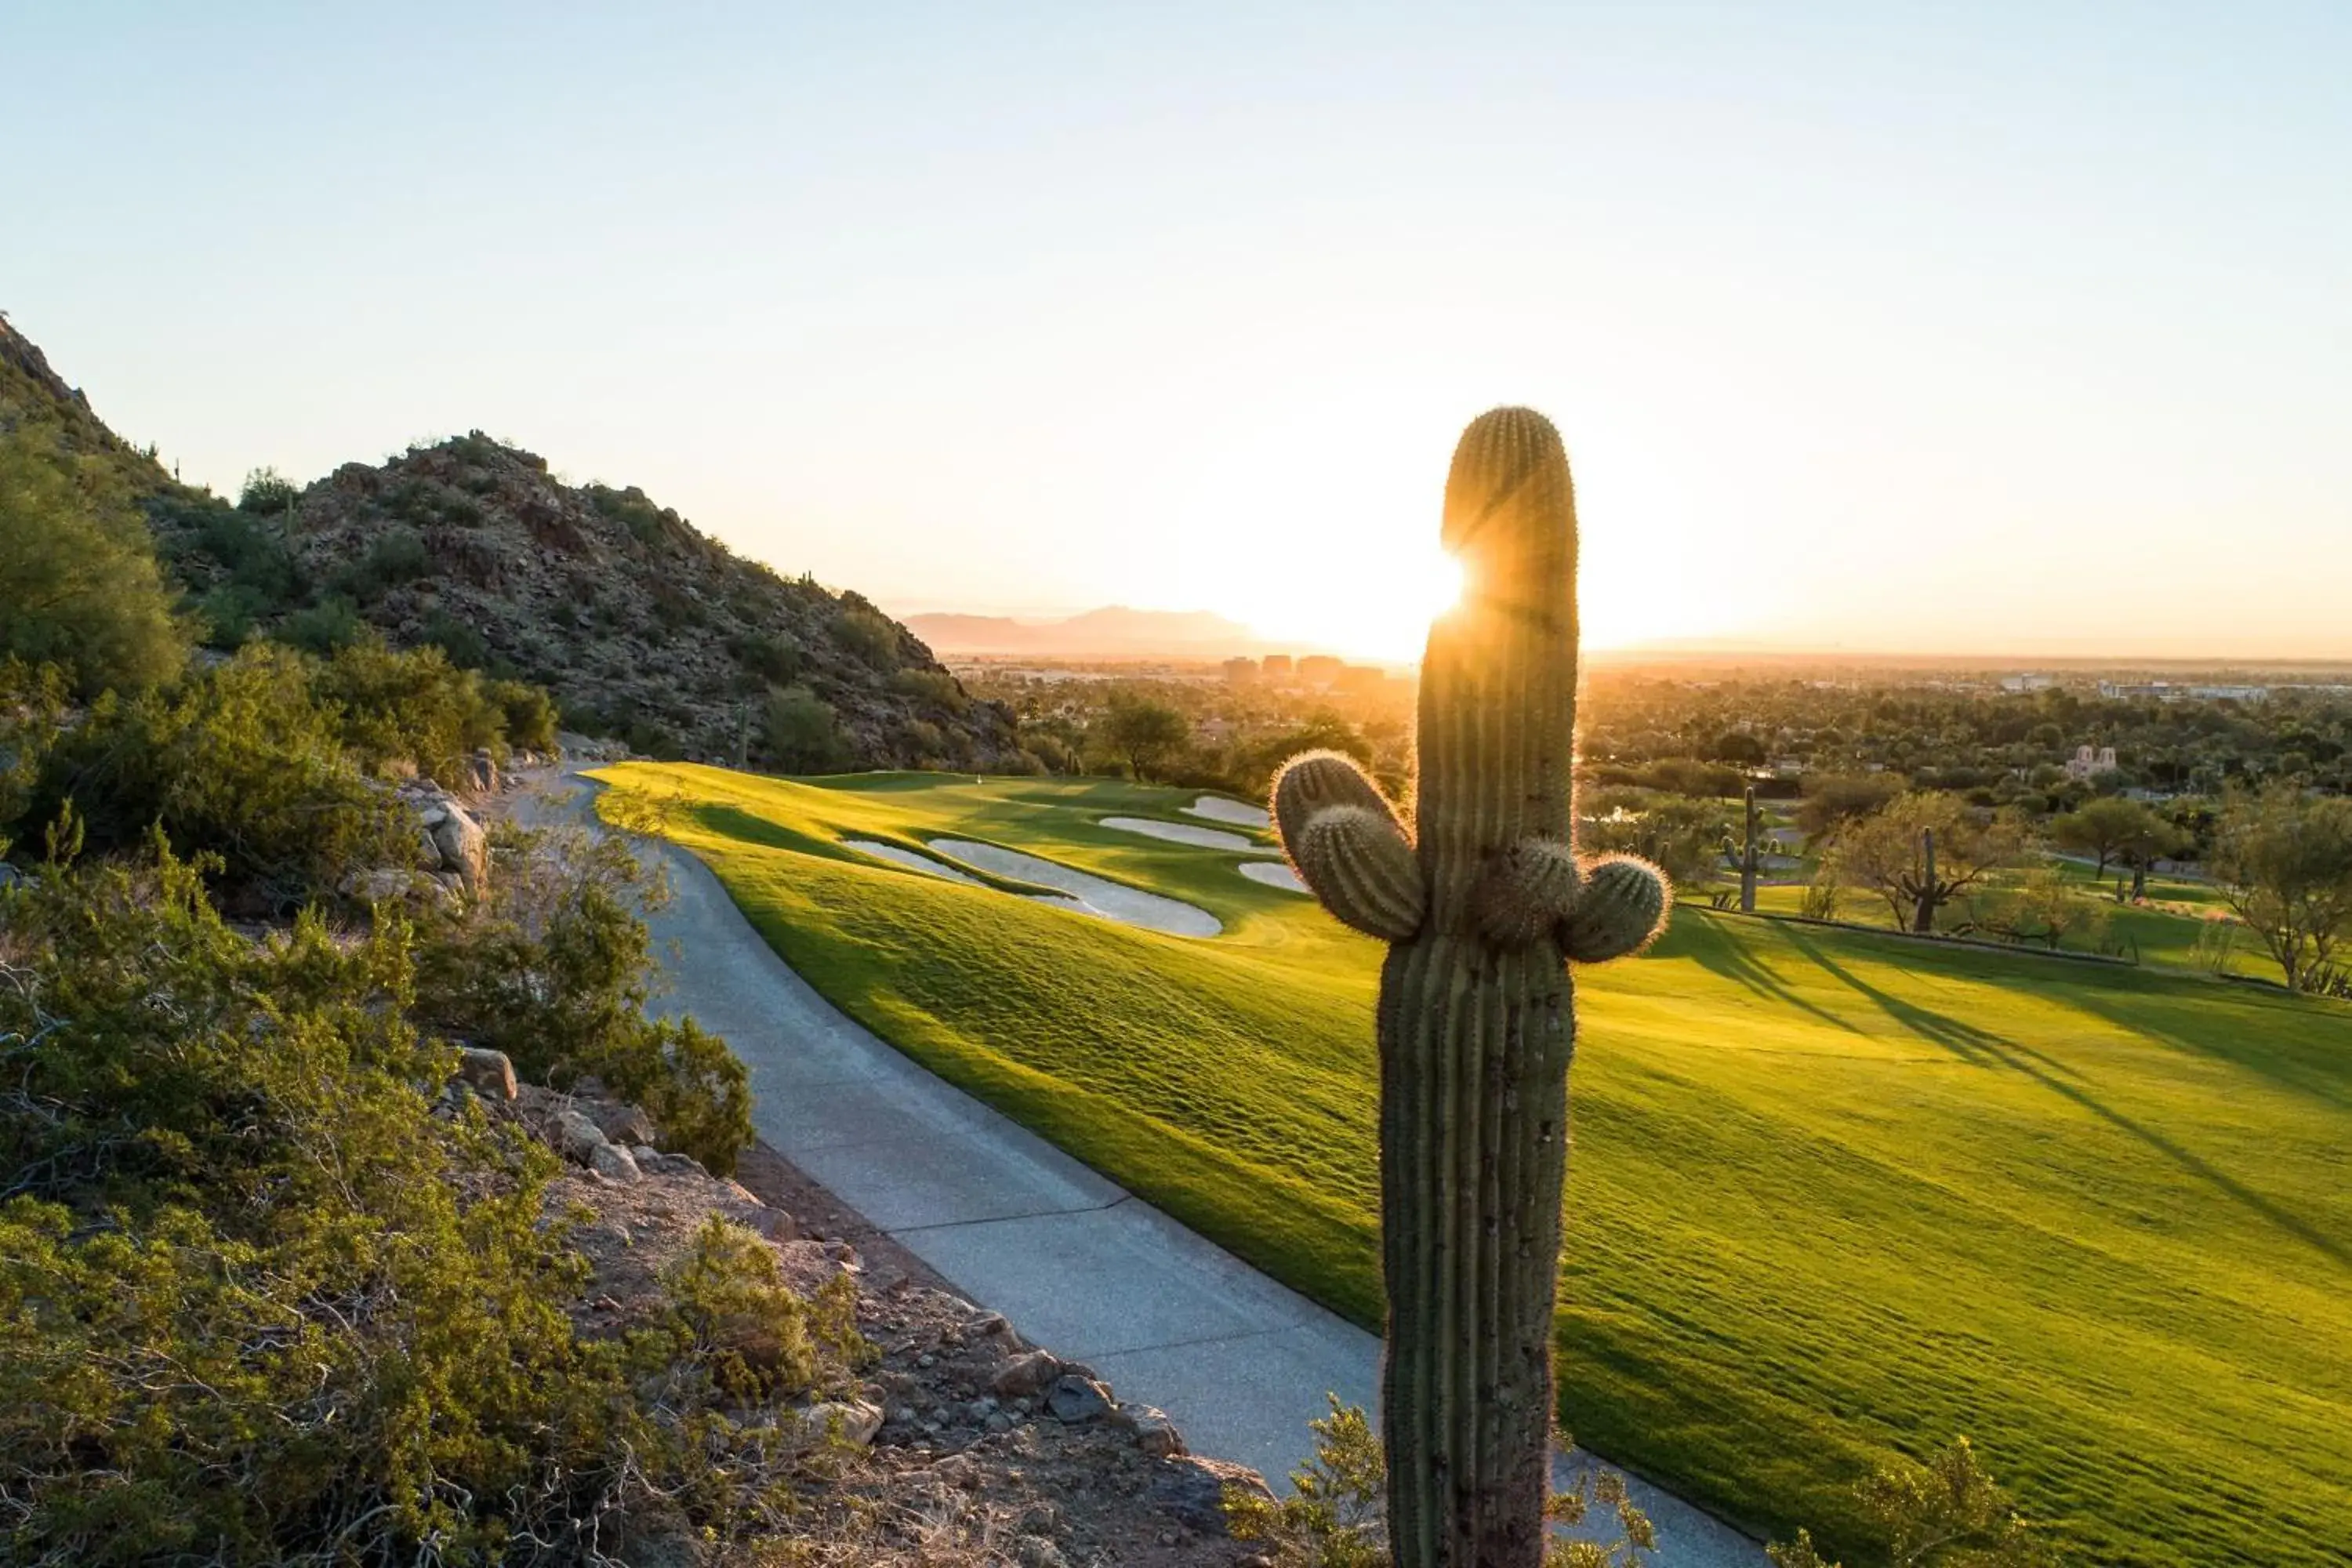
(1830, 1194)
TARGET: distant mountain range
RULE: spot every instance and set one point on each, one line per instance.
(1112, 633)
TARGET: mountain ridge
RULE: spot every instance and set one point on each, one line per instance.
(642, 625)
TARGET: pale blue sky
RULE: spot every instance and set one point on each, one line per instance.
(1999, 326)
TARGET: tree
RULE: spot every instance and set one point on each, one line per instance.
(1144, 731)
(1684, 838)
(78, 584)
(2284, 865)
(1920, 851)
(804, 737)
(2106, 827)
(1833, 798)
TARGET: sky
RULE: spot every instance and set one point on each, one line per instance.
(2000, 327)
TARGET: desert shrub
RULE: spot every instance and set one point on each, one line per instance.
(242, 761)
(259, 1302)
(772, 659)
(1946, 1514)
(396, 557)
(934, 686)
(332, 622)
(526, 712)
(867, 634)
(465, 646)
(409, 707)
(803, 736)
(741, 1327)
(78, 584)
(266, 493)
(553, 966)
(1335, 1516)
(254, 1303)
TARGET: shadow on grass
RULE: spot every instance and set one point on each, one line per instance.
(1720, 949)
(2319, 1069)
(1983, 1048)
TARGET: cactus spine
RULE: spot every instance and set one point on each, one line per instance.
(1481, 905)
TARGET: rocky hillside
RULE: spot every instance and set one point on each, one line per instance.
(642, 625)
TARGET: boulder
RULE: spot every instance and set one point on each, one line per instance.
(1074, 1400)
(623, 1124)
(482, 773)
(489, 1071)
(1191, 1490)
(464, 848)
(576, 1136)
(612, 1160)
(1154, 1432)
(852, 1420)
(1025, 1374)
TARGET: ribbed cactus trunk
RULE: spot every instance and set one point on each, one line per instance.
(1476, 1026)
(1748, 857)
(1923, 919)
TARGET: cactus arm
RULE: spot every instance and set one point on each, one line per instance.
(1345, 844)
(1527, 891)
(1620, 910)
(1598, 910)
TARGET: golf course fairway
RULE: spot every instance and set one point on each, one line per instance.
(1832, 1196)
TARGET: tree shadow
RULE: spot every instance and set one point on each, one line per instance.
(2321, 1070)
(1722, 951)
(1983, 1048)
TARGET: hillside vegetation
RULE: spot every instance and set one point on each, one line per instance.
(642, 625)
(1834, 1195)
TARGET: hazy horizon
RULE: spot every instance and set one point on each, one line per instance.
(2022, 331)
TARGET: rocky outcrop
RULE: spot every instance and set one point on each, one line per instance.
(644, 627)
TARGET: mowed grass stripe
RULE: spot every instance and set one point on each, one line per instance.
(1832, 1195)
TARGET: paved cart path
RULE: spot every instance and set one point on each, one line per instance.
(1077, 1263)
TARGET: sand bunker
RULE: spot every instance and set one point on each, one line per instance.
(898, 856)
(1217, 808)
(1085, 893)
(1273, 874)
(1181, 833)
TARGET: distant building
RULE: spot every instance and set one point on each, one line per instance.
(1241, 671)
(2086, 762)
(2169, 691)
(1320, 669)
(1277, 667)
(2027, 682)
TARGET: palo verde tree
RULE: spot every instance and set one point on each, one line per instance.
(1144, 731)
(1481, 906)
(1920, 851)
(2285, 864)
(2109, 828)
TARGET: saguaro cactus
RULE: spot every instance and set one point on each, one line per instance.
(1481, 906)
(1745, 855)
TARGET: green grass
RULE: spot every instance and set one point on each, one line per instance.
(1833, 1195)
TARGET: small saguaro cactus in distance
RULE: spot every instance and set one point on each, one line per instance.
(1746, 855)
(1481, 905)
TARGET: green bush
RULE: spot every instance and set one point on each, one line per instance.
(259, 1303)
(78, 584)
(867, 634)
(553, 967)
(332, 622)
(934, 686)
(803, 736)
(240, 762)
(396, 557)
(411, 706)
(267, 493)
(466, 647)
